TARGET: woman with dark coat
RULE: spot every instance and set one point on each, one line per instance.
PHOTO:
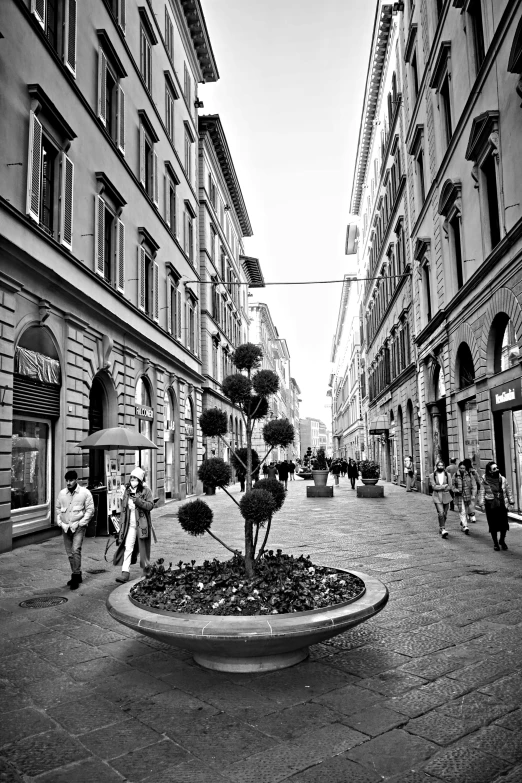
(353, 472)
(494, 497)
(135, 526)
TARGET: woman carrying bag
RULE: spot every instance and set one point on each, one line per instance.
(440, 484)
(494, 497)
(135, 526)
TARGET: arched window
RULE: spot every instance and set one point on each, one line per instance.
(465, 369)
(504, 343)
(439, 386)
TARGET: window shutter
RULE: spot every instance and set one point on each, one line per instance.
(141, 278)
(66, 200)
(178, 314)
(120, 256)
(186, 322)
(178, 218)
(185, 232)
(121, 120)
(69, 48)
(155, 293)
(122, 15)
(34, 169)
(102, 86)
(155, 184)
(169, 306)
(142, 155)
(38, 8)
(166, 193)
(99, 234)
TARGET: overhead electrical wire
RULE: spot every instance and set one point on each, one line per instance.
(302, 282)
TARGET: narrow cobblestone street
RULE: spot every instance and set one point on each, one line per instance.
(429, 690)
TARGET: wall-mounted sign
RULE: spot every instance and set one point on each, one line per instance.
(144, 412)
(189, 430)
(507, 396)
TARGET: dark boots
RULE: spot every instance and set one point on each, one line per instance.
(75, 581)
(125, 576)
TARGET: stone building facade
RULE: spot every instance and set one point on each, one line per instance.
(98, 208)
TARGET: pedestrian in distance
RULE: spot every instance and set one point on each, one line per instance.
(291, 470)
(409, 473)
(440, 484)
(74, 510)
(353, 472)
(473, 473)
(272, 471)
(464, 485)
(336, 470)
(494, 498)
(241, 476)
(265, 469)
(283, 471)
(344, 467)
(451, 470)
(135, 526)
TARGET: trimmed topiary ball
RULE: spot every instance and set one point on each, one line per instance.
(195, 517)
(214, 472)
(258, 407)
(265, 383)
(275, 488)
(237, 388)
(247, 356)
(213, 422)
(257, 505)
(278, 432)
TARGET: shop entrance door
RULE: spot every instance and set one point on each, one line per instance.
(516, 457)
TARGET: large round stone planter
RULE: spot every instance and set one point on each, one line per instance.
(370, 482)
(320, 477)
(248, 644)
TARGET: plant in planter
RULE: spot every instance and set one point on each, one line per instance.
(370, 471)
(306, 603)
(320, 468)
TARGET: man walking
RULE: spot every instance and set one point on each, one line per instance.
(291, 470)
(74, 510)
(283, 470)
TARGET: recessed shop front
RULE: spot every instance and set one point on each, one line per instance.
(506, 407)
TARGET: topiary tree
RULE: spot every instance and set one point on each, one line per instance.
(319, 461)
(249, 389)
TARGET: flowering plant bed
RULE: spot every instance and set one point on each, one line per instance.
(282, 584)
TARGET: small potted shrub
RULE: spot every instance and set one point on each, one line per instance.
(320, 469)
(370, 471)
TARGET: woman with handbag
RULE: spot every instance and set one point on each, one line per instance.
(440, 484)
(135, 526)
(494, 497)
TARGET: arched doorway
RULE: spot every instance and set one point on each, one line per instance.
(145, 420)
(37, 382)
(189, 437)
(410, 425)
(439, 421)
(401, 453)
(169, 437)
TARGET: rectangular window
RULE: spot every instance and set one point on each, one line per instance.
(58, 18)
(214, 360)
(169, 34)
(446, 108)
(188, 244)
(457, 249)
(173, 314)
(187, 86)
(419, 167)
(477, 25)
(170, 203)
(490, 181)
(50, 185)
(148, 280)
(148, 165)
(188, 155)
(30, 463)
(169, 113)
(109, 245)
(111, 101)
(414, 75)
(427, 291)
(146, 58)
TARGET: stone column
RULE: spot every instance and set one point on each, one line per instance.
(435, 428)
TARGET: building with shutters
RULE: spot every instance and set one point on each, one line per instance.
(225, 275)
(99, 262)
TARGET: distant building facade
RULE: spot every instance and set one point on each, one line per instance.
(314, 435)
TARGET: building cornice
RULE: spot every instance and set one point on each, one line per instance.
(200, 38)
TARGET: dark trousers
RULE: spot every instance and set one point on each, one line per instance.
(352, 480)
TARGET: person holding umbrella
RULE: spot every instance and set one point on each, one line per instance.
(135, 526)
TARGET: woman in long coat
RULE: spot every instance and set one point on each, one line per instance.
(495, 496)
(135, 526)
(440, 484)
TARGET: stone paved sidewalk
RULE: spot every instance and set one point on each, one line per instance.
(429, 690)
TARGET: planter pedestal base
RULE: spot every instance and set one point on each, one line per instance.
(319, 492)
(261, 663)
(369, 491)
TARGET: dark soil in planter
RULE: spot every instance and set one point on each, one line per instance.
(282, 584)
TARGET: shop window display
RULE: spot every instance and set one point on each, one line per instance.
(30, 464)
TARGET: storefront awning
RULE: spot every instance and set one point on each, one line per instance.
(379, 426)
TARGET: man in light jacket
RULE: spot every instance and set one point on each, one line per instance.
(74, 510)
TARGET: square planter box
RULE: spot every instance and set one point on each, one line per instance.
(369, 491)
(319, 492)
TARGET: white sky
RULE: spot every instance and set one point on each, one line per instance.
(292, 77)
